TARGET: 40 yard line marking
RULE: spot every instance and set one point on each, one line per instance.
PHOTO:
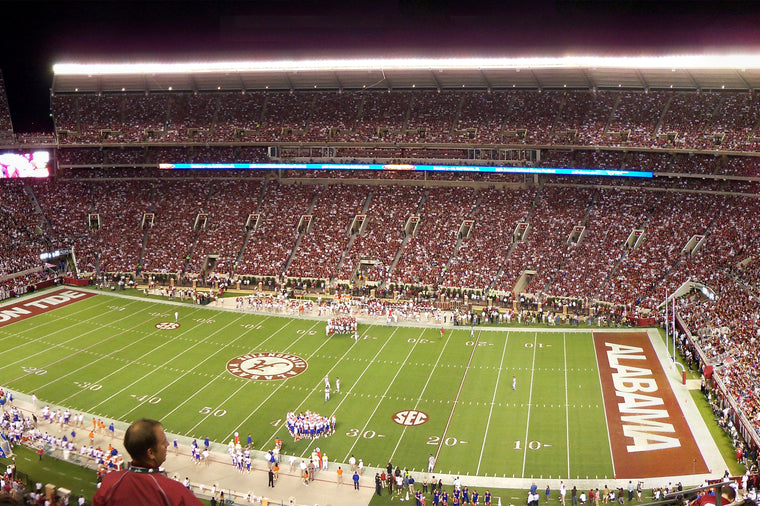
(493, 402)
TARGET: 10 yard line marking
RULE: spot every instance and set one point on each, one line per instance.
(493, 401)
(530, 400)
(456, 400)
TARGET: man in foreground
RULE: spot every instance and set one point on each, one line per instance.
(143, 482)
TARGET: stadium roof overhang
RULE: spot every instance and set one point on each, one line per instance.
(704, 72)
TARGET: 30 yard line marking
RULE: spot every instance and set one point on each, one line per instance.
(530, 397)
(493, 402)
(387, 389)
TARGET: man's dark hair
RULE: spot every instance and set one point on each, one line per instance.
(141, 436)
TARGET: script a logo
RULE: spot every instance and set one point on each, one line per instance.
(410, 417)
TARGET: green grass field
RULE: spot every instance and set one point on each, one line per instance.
(104, 356)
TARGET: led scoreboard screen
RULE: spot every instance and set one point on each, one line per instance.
(486, 169)
(28, 164)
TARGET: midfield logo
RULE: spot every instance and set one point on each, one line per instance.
(267, 366)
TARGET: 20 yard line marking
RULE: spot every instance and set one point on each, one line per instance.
(456, 400)
(493, 401)
(416, 404)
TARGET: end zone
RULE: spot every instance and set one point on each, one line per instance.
(26, 308)
(649, 435)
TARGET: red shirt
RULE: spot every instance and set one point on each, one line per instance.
(130, 488)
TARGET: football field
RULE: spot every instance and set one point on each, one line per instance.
(493, 403)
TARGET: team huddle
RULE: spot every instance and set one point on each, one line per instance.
(310, 425)
(341, 325)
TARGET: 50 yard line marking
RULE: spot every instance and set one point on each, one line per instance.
(456, 400)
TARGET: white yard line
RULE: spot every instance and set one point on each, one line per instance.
(39, 328)
(75, 353)
(493, 401)
(89, 363)
(530, 399)
(567, 408)
(430, 376)
(604, 407)
(387, 389)
(456, 399)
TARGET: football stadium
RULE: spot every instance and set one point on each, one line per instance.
(459, 281)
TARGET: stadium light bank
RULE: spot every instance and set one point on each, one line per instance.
(706, 62)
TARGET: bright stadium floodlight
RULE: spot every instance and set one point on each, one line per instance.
(674, 62)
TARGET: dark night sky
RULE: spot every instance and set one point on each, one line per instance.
(40, 33)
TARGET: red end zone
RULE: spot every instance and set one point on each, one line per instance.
(648, 433)
(26, 308)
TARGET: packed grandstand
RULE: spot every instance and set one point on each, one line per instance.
(507, 239)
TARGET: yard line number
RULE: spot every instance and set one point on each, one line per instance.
(532, 445)
(449, 441)
(146, 398)
(206, 410)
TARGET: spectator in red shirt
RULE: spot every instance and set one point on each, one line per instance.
(144, 482)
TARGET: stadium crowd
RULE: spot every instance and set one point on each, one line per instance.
(628, 242)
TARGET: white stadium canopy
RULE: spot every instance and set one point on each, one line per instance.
(686, 72)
